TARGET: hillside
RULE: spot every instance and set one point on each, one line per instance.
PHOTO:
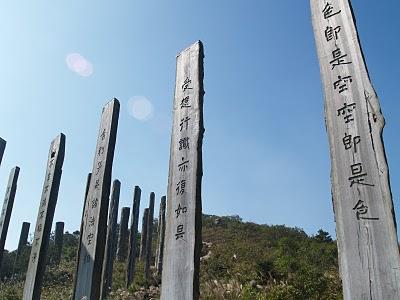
(240, 260)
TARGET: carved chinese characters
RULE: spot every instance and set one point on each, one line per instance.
(183, 224)
(367, 241)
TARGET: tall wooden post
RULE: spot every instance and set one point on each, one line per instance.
(132, 237)
(365, 221)
(7, 208)
(58, 240)
(44, 221)
(111, 239)
(161, 236)
(149, 238)
(23, 240)
(143, 237)
(123, 234)
(95, 217)
(180, 277)
(78, 252)
(2, 148)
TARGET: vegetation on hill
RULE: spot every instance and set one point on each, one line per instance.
(240, 260)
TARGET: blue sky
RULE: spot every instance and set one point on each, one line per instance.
(265, 153)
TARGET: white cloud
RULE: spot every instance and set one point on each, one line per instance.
(78, 64)
(140, 108)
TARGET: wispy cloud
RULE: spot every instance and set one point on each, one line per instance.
(79, 64)
(140, 108)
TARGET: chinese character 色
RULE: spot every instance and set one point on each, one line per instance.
(328, 11)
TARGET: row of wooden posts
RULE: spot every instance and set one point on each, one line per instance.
(180, 242)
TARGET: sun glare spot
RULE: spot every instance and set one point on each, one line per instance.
(78, 64)
(140, 108)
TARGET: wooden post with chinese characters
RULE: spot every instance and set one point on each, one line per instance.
(7, 208)
(78, 252)
(88, 282)
(180, 276)
(132, 236)
(364, 215)
(44, 221)
(2, 148)
(143, 237)
(149, 238)
(58, 240)
(161, 236)
(123, 234)
(111, 238)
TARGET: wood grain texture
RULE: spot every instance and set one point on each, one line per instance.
(365, 221)
(143, 237)
(180, 276)
(2, 148)
(96, 208)
(6, 211)
(44, 221)
(111, 239)
(23, 241)
(123, 234)
(130, 272)
(149, 238)
(58, 240)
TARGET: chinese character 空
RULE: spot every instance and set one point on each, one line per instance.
(346, 111)
(350, 141)
(338, 58)
(331, 33)
(180, 210)
(357, 175)
(328, 11)
(341, 83)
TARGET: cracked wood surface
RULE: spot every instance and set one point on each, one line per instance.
(362, 201)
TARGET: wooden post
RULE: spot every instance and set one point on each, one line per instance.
(58, 240)
(78, 252)
(180, 277)
(144, 234)
(95, 218)
(161, 236)
(149, 238)
(364, 215)
(23, 240)
(7, 208)
(111, 238)
(123, 234)
(2, 148)
(132, 237)
(44, 221)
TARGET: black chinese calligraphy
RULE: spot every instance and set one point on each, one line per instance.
(179, 232)
(329, 11)
(346, 111)
(180, 210)
(338, 58)
(183, 165)
(350, 141)
(180, 187)
(185, 85)
(361, 210)
(185, 102)
(358, 176)
(332, 33)
(184, 143)
(184, 123)
(341, 83)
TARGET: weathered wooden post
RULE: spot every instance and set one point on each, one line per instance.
(111, 238)
(23, 240)
(95, 218)
(7, 208)
(161, 236)
(58, 240)
(180, 276)
(132, 236)
(143, 237)
(2, 148)
(78, 252)
(123, 234)
(44, 221)
(365, 221)
(149, 238)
